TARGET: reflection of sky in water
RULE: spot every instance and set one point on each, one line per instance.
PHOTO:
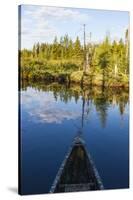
(47, 122)
(44, 107)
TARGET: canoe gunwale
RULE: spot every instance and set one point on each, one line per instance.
(77, 141)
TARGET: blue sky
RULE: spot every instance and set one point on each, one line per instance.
(42, 24)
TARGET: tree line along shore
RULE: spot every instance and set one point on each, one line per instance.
(66, 61)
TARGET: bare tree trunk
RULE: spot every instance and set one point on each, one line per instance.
(87, 61)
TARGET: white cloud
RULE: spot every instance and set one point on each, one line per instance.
(41, 23)
(36, 28)
(54, 13)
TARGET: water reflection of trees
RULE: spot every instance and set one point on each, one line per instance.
(101, 99)
(102, 105)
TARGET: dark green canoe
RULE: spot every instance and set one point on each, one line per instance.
(77, 171)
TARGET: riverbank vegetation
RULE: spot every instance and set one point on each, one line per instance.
(66, 61)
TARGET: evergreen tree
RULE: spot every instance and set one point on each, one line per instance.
(77, 49)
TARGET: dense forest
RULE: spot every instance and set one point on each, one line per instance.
(105, 63)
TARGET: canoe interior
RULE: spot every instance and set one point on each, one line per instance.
(78, 173)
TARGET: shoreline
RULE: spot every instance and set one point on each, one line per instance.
(72, 83)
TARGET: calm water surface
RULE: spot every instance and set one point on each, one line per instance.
(51, 116)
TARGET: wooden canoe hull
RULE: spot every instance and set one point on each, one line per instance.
(77, 172)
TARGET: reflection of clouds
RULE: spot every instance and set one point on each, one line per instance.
(43, 107)
(55, 115)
